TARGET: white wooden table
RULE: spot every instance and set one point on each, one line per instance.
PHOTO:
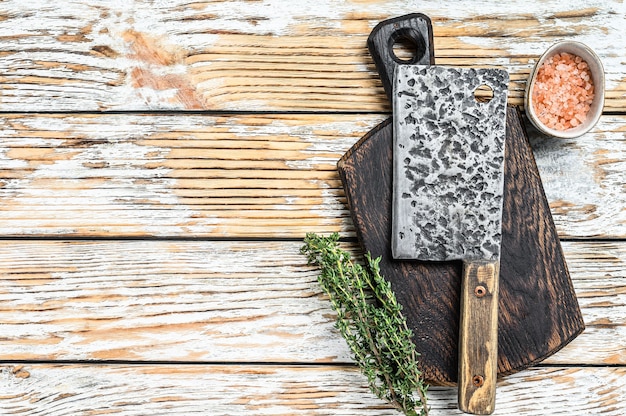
(161, 161)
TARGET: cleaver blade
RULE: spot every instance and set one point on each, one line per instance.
(448, 177)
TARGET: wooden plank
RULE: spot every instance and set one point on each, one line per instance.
(226, 301)
(281, 390)
(153, 300)
(598, 271)
(576, 173)
(225, 55)
(245, 175)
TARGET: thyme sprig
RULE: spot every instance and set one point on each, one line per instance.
(370, 320)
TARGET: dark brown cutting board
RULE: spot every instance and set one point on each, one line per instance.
(538, 309)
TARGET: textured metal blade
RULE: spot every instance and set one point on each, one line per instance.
(448, 163)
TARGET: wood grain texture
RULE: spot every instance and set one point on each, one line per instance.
(245, 176)
(239, 55)
(572, 172)
(175, 301)
(192, 298)
(64, 390)
(478, 337)
(226, 301)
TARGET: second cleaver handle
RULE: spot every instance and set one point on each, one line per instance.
(478, 337)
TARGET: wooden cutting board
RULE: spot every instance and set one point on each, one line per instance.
(538, 309)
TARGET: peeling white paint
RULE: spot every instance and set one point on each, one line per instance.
(114, 164)
(577, 164)
(37, 34)
(168, 299)
(273, 17)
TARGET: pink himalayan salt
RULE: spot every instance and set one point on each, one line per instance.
(563, 91)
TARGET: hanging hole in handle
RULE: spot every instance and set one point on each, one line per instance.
(405, 50)
(407, 46)
(483, 94)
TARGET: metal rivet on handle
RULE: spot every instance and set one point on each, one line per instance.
(480, 291)
(478, 381)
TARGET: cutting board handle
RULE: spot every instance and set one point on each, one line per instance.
(416, 29)
(478, 337)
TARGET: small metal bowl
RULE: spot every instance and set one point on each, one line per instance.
(597, 76)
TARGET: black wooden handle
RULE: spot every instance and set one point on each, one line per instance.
(415, 29)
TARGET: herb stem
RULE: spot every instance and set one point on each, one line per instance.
(370, 320)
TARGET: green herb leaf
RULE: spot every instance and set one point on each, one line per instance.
(370, 320)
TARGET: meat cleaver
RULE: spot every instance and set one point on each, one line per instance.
(448, 177)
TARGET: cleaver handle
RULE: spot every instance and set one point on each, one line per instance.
(415, 29)
(478, 337)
